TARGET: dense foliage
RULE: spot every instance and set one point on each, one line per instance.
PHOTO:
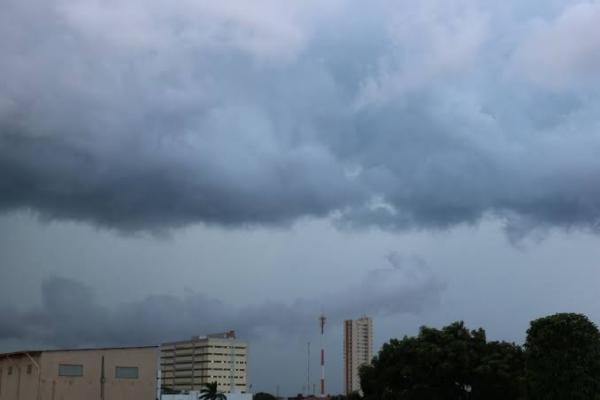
(560, 361)
(563, 358)
(263, 396)
(446, 364)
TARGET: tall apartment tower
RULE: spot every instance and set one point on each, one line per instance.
(358, 350)
(190, 364)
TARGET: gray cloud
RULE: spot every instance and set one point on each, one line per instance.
(153, 115)
(565, 52)
(71, 314)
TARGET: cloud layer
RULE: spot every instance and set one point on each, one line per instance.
(151, 115)
(71, 315)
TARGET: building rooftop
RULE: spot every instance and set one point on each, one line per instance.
(221, 335)
(36, 352)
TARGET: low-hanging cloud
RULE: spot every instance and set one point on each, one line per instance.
(70, 314)
(152, 115)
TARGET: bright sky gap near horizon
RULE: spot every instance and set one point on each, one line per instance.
(170, 169)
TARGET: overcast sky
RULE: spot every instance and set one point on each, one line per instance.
(169, 169)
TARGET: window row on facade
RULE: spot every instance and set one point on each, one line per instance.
(76, 370)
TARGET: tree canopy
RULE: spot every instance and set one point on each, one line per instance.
(451, 363)
(263, 396)
(560, 361)
(563, 358)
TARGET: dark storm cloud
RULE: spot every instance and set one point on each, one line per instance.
(151, 115)
(71, 314)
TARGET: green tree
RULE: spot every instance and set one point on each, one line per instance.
(210, 392)
(500, 373)
(563, 358)
(263, 396)
(354, 396)
(447, 364)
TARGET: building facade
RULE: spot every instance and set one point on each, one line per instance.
(108, 373)
(188, 365)
(358, 350)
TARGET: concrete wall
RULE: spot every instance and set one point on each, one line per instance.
(19, 377)
(51, 386)
(192, 395)
(239, 396)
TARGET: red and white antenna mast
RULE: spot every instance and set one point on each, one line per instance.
(322, 320)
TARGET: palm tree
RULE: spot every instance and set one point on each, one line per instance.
(210, 392)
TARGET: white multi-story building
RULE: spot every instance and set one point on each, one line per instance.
(358, 350)
(189, 365)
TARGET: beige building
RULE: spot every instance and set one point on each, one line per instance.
(189, 364)
(104, 374)
(358, 350)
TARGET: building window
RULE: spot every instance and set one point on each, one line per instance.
(127, 372)
(70, 370)
(29, 369)
(10, 370)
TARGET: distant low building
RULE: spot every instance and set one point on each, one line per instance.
(105, 374)
(358, 350)
(190, 364)
(195, 395)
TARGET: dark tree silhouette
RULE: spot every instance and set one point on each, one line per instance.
(453, 363)
(563, 358)
(210, 392)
